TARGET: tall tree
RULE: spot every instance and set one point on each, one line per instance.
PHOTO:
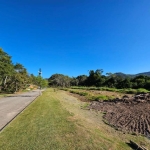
(82, 80)
(95, 78)
(6, 68)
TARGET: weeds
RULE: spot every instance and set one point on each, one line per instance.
(79, 93)
(85, 106)
(125, 91)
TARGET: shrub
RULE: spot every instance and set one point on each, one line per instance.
(83, 93)
(98, 97)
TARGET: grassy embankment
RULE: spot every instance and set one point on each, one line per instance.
(110, 93)
(89, 95)
(125, 91)
(55, 121)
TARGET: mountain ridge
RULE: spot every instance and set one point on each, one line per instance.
(132, 75)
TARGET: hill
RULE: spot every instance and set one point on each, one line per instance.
(132, 75)
(144, 73)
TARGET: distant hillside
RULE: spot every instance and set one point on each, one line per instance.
(144, 73)
(123, 74)
(132, 75)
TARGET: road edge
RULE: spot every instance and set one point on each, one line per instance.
(1, 130)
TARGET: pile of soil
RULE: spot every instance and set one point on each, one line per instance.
(131, 114)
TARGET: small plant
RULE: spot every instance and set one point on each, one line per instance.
(85, 106)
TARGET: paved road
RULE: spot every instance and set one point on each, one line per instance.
(12, 105)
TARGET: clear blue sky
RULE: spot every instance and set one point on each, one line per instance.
(74, 36)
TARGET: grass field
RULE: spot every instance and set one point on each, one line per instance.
(55, 121)
(125, 91)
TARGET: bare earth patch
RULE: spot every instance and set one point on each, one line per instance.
(92, 119)
(131, 114)
(81, 98)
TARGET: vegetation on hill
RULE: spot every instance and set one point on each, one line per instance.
(132, 75)
(97, 79)
(14, 77)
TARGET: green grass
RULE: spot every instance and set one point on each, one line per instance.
(86, 91)
(141, 90)
(125, 91)
(45, 124)
(100, 97)
(95, 88)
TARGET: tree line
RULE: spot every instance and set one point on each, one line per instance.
(14, 77)
(97, 79)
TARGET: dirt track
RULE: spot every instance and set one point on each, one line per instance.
(129, 114)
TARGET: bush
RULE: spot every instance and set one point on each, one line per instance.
(83, 93)
(98, 97)
(130, 91)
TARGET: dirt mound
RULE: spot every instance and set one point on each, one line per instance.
(131, 114)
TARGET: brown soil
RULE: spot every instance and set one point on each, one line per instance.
(81, 98)
(131, 114)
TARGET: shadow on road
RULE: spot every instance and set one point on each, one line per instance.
(21, 96)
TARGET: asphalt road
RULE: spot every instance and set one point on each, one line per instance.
(11, 106)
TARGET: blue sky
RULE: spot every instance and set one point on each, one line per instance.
(74, 36)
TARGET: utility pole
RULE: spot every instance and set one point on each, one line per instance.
(40, 74)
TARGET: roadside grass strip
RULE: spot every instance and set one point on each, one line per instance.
(125, 91)
(45, 125)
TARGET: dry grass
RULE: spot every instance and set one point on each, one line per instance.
(93, 121)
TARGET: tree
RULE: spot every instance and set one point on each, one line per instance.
(147, 84)
(126, 83)
(82, 80)
(95, 78)
(39, 81)
(74, 81)
(15, 77)
(59, 80)
(6, 68)
(18, 80)
(139, 81)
